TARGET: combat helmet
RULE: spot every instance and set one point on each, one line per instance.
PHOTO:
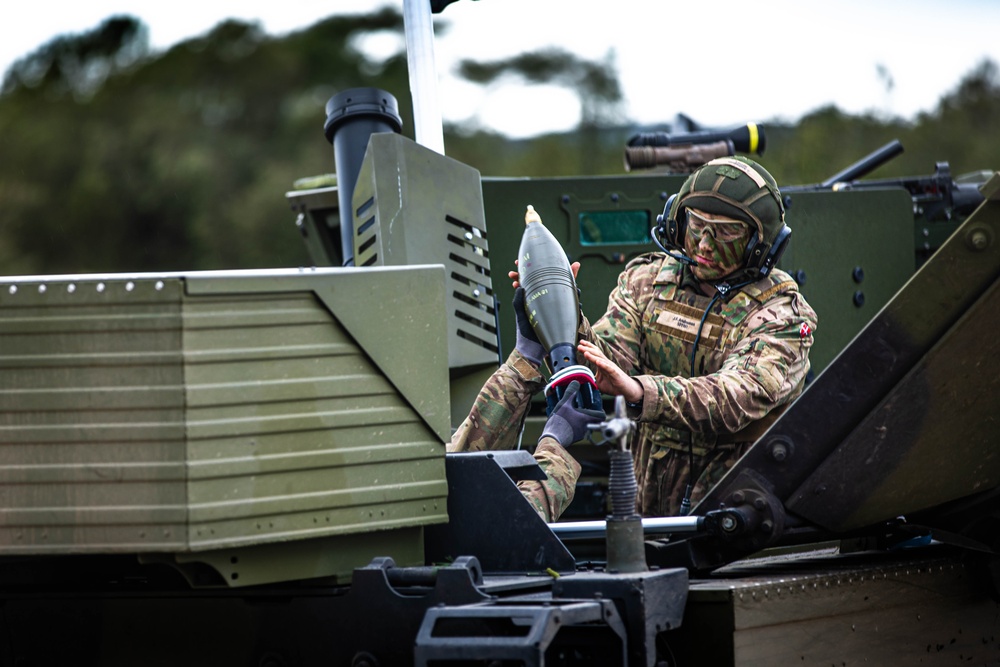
(739, 188)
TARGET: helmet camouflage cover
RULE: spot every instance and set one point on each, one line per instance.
(736, 187)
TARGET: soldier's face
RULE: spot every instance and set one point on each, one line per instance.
(716, 243)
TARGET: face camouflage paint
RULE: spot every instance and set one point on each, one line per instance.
(716, 243)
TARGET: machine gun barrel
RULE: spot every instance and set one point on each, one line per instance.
(865, 165)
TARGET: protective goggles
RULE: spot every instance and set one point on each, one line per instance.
(723, 228)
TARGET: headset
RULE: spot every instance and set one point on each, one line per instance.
(759, 258)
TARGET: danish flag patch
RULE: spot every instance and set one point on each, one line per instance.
(804, 330)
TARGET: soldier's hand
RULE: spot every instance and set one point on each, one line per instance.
(609, 377)
(527, 342)
(514, 276)
(568, 423)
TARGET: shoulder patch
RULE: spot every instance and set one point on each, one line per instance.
(775, 290)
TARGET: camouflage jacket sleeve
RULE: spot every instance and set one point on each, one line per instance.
(552, 496)
(495, 423)
(765, 368)
(500, 408)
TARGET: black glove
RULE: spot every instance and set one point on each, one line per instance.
(527, 341)
(568, 423)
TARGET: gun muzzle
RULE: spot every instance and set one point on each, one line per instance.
(352, 117)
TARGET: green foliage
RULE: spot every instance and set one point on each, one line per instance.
(115, 160)
(79, 64)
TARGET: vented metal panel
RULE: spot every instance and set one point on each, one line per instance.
(414, 206)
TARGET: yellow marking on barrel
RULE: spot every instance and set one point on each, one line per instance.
(754, 136)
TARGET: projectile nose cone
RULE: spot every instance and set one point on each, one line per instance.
(531, 216)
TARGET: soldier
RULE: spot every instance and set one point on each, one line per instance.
(707, 341)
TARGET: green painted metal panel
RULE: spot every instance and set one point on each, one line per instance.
(851, 252)
(188, 413)
(415, 206)
(92, 450)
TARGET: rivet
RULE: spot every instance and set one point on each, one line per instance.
(100, 287)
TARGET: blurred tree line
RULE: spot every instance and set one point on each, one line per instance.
(114, 159)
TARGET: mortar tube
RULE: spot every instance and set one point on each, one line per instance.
(352, 117)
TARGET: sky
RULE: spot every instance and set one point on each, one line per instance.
(721, 63)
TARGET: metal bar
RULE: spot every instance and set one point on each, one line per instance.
(419, 27)
(582, 530)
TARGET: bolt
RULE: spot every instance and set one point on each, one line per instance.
(728, 524)
(979, 239)
(738, 498)
(779, 452)
(614, 196)
(858, 274)
(766, 526)
(859, 298)
(759, 503)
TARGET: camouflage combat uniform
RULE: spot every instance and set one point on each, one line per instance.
(752, 358)
(495, 423)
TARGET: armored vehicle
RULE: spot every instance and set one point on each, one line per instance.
(249, 467)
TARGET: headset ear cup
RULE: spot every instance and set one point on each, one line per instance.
(777, 250)
(663, 221)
